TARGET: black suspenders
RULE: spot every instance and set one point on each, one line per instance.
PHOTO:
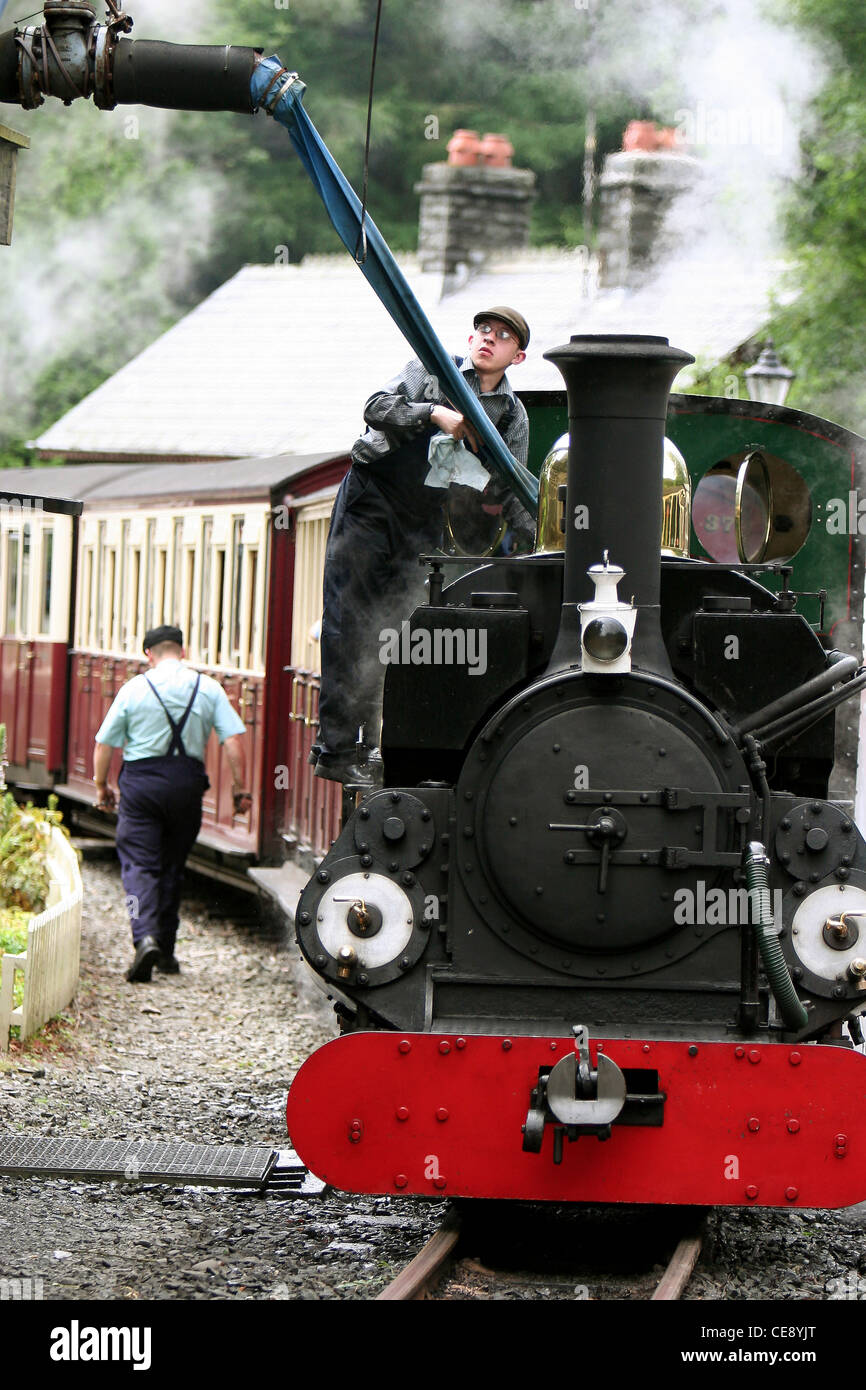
(177, 727)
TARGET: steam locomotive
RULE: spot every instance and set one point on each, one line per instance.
(597, 936)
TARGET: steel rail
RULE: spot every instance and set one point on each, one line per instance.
(679, 1270)
(428, 1266)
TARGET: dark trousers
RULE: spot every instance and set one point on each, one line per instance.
(372, 581)
(157, 824)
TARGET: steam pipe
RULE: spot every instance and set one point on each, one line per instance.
(8, 67)
(88, 61)
(841, 669)
(183, 76)
(801, 719)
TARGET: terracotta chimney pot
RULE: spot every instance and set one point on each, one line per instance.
(640, 135)
(668, 138)
(496, 151)
(463, 147)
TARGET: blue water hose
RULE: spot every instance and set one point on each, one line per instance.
(280, 93)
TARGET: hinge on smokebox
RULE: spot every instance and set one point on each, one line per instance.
(579, 1100)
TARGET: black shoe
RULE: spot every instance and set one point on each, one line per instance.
(168, 965)
(147, 952)
(361, 776)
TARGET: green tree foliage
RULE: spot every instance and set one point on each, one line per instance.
(823, 332)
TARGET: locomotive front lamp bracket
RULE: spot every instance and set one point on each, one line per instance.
(606, 624)
(580, 1100)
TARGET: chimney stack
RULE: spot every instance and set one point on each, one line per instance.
(618, 387)
(473, 205)
(638, 189)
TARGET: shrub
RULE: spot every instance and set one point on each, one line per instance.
(25, 833)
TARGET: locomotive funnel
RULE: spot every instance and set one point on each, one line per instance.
(618, 388)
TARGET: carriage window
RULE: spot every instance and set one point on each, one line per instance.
(111, 624)
(177, 573)
(12, 550)
(161, 567)
(24, 595)
(149, 573)
(124, 575)
(220, 655)
(237, 584)
(99, 590)
(83, 615)
(251, 659)
(190, 591)
(204, 591)
(257, 640)
(312, 534)
(135, 588)
(45, 587)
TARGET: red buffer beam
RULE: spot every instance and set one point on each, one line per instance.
(435, 1115)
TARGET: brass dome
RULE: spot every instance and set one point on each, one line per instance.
(676, 497)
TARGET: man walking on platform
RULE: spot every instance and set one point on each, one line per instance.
(162, 720)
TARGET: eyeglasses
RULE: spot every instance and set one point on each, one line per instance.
(501, 334)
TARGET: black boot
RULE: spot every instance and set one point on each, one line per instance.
(360, 776)
(147, 952)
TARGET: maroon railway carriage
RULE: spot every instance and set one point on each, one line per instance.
(233, 552)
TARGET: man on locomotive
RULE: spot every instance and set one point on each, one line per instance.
(162, 786)
(387, 513)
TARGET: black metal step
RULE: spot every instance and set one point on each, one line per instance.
(290, 1178)
(205, 1165)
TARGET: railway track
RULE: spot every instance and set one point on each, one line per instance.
(444, 1269)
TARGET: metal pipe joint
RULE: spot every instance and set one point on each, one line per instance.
(56, 59)
(71, 55)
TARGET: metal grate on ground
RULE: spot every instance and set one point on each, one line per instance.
(92, 1160)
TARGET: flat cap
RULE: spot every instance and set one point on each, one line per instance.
(166, 633)
(509, 316)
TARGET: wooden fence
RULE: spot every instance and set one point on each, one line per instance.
(50, 963)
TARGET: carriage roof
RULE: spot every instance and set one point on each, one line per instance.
(225, 479)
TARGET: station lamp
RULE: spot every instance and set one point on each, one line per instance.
(769, 380)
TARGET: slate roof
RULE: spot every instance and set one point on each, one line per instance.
(280, 359)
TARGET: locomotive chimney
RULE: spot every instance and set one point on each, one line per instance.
(618, 388)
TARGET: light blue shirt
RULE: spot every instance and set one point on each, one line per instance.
(136, 721)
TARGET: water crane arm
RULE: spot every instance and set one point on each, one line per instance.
(70, 56)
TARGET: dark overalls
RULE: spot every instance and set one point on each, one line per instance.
(158, 820)
(383, 519)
